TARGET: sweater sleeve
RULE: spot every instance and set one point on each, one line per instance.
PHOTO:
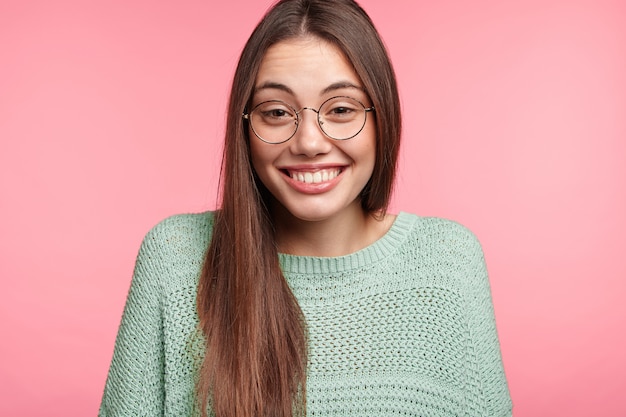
(486, 369)
(134, 385)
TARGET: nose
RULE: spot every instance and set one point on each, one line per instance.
(309, 139)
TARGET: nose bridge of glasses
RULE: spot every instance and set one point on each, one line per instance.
(299, 114)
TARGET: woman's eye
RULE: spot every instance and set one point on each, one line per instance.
(277, 113)
(341, 113)
(341, 110)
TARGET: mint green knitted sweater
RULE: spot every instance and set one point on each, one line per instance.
(404, 327)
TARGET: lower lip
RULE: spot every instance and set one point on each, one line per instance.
(313, 188)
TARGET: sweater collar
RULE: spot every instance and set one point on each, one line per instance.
(378, 250)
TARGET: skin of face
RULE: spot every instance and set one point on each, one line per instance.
(304, 72)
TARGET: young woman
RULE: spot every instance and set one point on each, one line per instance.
(301, 294)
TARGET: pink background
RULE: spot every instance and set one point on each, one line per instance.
(111, 117)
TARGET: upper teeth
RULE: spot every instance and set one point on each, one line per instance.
(315, 177)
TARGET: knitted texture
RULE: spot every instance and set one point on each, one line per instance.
(404, 327)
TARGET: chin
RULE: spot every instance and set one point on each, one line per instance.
(310, 215)
(316, 212)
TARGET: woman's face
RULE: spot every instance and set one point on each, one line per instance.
(311, 175)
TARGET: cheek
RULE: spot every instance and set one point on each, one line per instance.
(369, 139)
(368, 154)
(256, 150)
(366, 148)
(262, 156)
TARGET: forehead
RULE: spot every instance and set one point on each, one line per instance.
(304, 66)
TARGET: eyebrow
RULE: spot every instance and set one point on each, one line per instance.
(270, 85)
(334, 86)
(340, 86)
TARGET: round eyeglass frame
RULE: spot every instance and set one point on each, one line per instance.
(247, 115)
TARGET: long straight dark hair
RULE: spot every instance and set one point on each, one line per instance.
(256, 346)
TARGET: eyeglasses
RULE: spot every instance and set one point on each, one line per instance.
(340, 118)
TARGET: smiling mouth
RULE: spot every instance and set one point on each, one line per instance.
(314, 177)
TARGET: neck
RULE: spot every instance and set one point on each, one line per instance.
(336, 236)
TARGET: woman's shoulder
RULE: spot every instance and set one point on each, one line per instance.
(446, 248)
(436, 238)
(182, 226)
(179, 234)
(183, 222)
(437, 229)
(174, 249)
